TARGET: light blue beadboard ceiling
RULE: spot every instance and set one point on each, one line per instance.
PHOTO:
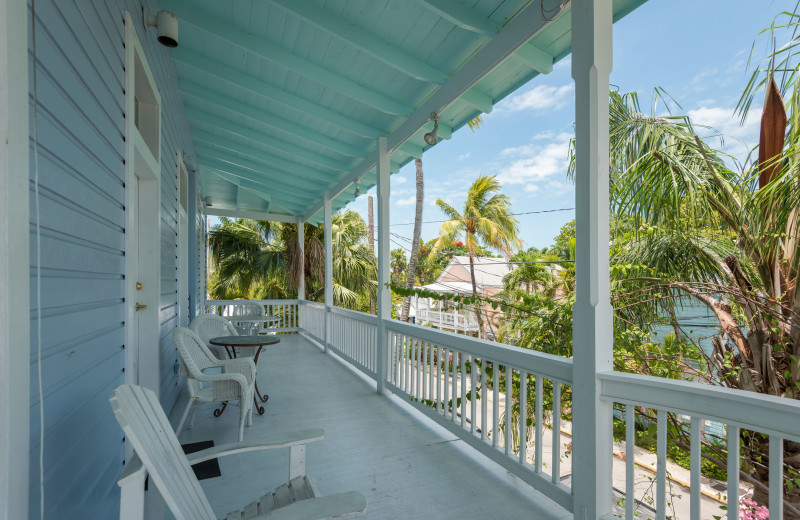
(286, 98)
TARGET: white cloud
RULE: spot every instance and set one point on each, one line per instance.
(399, 179)
(463, 156)
(531, 164)
(407, 202)
(538, 99)
(738, 138)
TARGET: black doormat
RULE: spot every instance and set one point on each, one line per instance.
(203, 470)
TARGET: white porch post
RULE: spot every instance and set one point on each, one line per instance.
(384, 259)
(14, 262)
(328, 269)
(592, 317)
(301, 246)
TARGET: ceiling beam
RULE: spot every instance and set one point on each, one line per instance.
(478, 100)
(515, 34)
(228, 151)
(462, 16)
(364, 41)
(535, 58)
(253, 215)
(272, 93)
(411, 149)
(252, 171)
(283, 58)
(253, 136)
(243, 110)
(236, 176)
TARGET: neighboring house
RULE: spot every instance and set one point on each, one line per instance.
(456, 278)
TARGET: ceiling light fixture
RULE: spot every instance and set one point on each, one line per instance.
(433, 137)
(166, 25)
(358, 191)
(207, 200)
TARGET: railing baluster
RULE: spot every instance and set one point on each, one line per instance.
(523, 417)
(419, 373)
(495, 402)
(630, 452)
(439, 398)
(733, 472)
(403, 367)
(661, 466)
(538, 415)
(446, 366)
(473, 393)
(696, 429)
(463, 389)
(509, 394)
(484, 399)
(556, 432)
(454, 382)
(429, 349)
(775, 478)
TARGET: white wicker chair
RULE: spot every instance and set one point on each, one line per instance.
(235, 383)
(209, 326)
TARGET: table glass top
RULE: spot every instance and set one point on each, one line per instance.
(244, 341)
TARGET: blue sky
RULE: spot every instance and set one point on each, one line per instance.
(697, 50)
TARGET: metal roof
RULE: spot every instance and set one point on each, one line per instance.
(286, 98)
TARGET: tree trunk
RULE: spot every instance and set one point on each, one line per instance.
(412, 262)
(478, 310)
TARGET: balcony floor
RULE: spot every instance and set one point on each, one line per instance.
(406, 466)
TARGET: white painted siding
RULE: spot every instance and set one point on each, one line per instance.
(80, 76)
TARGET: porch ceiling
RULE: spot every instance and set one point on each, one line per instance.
(286, 98)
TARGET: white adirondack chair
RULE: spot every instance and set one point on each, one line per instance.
(235, 383)
(139, 413)
(209, 326)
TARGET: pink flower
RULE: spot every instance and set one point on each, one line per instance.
(750, 510)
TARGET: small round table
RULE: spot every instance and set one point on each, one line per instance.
(231, 342)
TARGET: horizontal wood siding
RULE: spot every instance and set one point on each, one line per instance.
(81, 237)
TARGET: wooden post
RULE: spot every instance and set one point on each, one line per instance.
(592, 328)
(384, 258)
(301, 246)
(328, 269)
(15, 313)
(371, 230)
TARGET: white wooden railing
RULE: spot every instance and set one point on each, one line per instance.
(285, 310)
(312, 320)
(456, 381)
(352, 337)
(447, 320)
(776, 417)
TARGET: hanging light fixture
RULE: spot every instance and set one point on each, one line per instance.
(433, 137)
(358, 191)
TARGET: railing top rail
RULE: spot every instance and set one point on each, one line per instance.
(763, 413)
(360, 316)
(316, 305)
(240, 302)
(548, 365)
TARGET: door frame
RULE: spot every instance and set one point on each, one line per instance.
(182, 271)
(142, 222)
(15, 279)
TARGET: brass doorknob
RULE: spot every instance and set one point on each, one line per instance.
(140, 307)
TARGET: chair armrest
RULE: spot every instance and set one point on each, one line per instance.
(133, 469)
(343, 505)
(284, 440)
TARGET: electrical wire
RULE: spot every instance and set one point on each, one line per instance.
(494, 216)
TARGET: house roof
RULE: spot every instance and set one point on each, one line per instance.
(286, 98)
(489, 272)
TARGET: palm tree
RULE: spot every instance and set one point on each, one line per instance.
(712, 234)
(412, 262)
(257, 259)
(484, 219)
